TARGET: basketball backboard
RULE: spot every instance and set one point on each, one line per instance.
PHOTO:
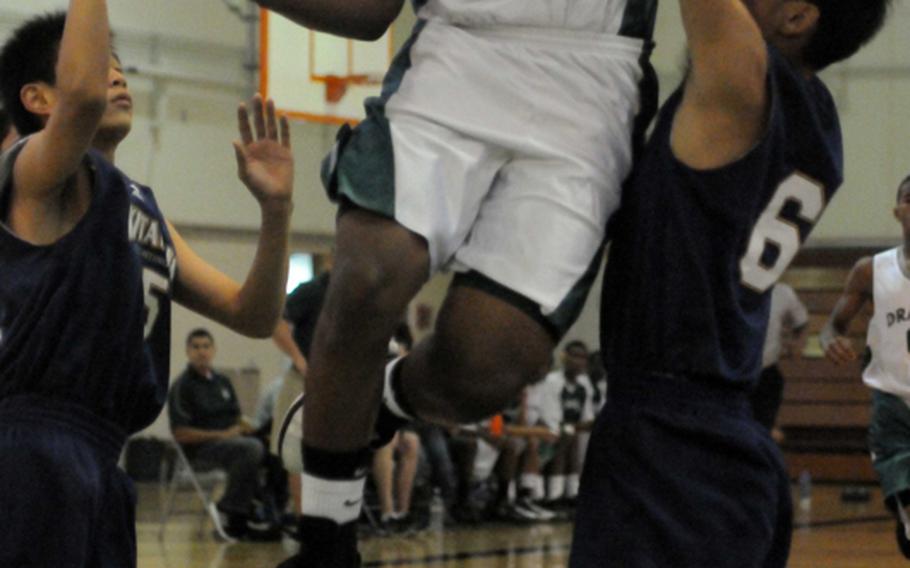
(319, 77)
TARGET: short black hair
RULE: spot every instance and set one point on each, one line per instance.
(29, 56)
(199, 332)
(844, 26)
(575, 344)
(4, 123)
(902, 185)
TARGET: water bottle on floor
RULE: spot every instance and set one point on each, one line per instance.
(437, 511)
(805, 490)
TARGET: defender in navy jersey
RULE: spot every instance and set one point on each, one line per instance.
(742, 161)
(883, 280)
(88, 267)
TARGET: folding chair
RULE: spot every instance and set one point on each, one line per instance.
(204, 478)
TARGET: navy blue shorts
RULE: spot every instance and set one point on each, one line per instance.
(63, 500)
(678, 475)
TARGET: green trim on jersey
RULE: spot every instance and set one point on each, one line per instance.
(361, 167)
(638, 19)
(570, 308)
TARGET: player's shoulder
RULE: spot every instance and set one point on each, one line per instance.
(862, 274)
(221, 377)
(866, 264)
(554, 380)
(178, 387)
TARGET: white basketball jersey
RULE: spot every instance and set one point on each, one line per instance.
(889, 329)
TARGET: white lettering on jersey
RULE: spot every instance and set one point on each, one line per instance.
(146, 231)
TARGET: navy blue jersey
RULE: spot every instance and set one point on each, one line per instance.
(87, 319)
(695, 253)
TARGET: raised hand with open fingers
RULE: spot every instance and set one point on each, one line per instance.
(265, 163)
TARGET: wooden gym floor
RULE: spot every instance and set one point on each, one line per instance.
(830, 534)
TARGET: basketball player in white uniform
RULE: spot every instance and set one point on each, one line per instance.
(885, 280)
(497, 150)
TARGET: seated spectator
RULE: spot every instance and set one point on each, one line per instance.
(394, 470)
(439, 444)
(395, 464)
(205, 419)
(598, 376)
(503, 447)
(279, 492)
(563, 402)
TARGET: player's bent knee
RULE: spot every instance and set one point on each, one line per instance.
(371, 289)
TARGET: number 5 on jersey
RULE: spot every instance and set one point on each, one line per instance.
(154, 286)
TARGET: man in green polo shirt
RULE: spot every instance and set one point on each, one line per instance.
(205, 419)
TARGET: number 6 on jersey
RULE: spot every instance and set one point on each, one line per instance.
(773, 228)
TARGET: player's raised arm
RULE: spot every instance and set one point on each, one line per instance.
(725, 99)
(358, 19)
(857, 292)
(72, 107)
(266, 166)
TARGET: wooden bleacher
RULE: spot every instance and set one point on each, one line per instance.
(826, 408)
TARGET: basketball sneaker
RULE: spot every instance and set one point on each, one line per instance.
(246, 528)
(540, 514)
(902, 542)
(325, 544)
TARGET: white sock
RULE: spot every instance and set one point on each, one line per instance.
(534, 483)
(389, 396)
(556, 486)
(573, 481)
(339, 501)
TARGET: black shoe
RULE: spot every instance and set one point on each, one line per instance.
(242, 527)
(466, 513)
(407, 525)
(902, 543)
(325, 544)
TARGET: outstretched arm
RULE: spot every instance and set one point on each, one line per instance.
(53, 154)
(358, 19)
(857, 292)
(266, 166)
(724, 103)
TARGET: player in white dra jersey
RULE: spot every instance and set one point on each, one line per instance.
(885, 281)
(497, 150)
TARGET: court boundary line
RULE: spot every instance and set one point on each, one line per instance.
(565, 547)
(469, 555)
(842, 522)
